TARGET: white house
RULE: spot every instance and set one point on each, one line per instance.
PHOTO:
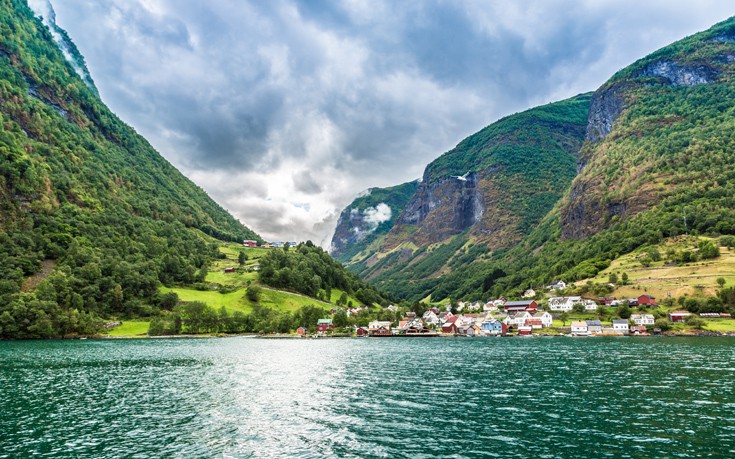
(580, 328)
(643, 319)
(392, 308)
(545, 317)
(530, 293)
(620, 326)
(564, 303)
(490, 306)
(558, 285)
(517, 319)
(430, 317)
(590, 305)
(594, 327)
(476, 306)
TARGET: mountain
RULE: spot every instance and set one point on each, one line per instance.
(485, 194)
(363, 224)
(92, 219)
(658, 159)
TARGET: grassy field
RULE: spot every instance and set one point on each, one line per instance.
(661, 280)
(236, 301)
(130, 328)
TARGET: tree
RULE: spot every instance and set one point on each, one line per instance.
(624, 311)
(708, 250)
(242, 258)
(340, 319)
(564, 317)
(625, 278)
(721, 281)
(578, 308)
(253, 293)
(613, 278)
(342, 299)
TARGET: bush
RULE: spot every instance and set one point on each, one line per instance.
(254, 293)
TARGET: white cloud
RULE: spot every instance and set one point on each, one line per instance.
(283, 111)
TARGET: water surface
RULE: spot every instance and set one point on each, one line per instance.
(247, 397)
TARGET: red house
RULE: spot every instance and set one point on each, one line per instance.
(322, 325)
(229, 270)
(250, 243)
(362, 331)
(520, 306)
(301, 331)
(647, 300)
(450, 326)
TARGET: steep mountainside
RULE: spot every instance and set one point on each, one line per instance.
(92, 218)
(658, 160)
(486, 194)
(363, 224)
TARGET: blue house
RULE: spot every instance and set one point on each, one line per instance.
(492, 327)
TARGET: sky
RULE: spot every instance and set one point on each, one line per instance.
(284, 111)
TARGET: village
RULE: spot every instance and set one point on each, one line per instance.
(558, 315)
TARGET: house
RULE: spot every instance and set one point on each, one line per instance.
(492, 327)
(362, 331)
(561, 303)
(620, 326)
(229, 270)
(545, 317)
(594, 327)
(524, 330)
(301, 331)
(413, 327)
(580, 328)
(473, 330)
(590, 305)
(643, 319)
(647, 300)
(392, 308)
(558, 285)
(607, 300)
(518, 306)
(490, 306)
(450, 326)
(379, 328)
(476, 306)
(322, 325)
(679, 316)
(248, 243)
(411, 314)
(444, 316)
(267, 245)
(534, 323)
(638, 330)
(430, 317)
(530, 293)
(518, 319)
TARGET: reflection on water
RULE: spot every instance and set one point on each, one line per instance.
(246, 397)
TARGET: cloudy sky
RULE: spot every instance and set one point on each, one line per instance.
(285, 110)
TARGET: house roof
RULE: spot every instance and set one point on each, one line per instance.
(579, 324)
(519, 303)
(648, 296)
(620, 322)
(594, 323)
(324, 321)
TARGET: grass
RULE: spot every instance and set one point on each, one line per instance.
(660, 280)
(131, 328)
(236, 301)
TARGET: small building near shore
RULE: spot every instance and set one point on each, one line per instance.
(580, 328)
(679, 316)
(647, 300)
(620, 326)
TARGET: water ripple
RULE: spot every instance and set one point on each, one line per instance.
(463, 398)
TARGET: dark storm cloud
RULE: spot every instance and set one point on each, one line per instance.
(300, 105)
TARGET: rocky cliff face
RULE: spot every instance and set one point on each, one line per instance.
(368, 218)
(611, 185)
(443, 208)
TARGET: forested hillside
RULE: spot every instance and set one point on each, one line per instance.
(657, 161)
(92, 218)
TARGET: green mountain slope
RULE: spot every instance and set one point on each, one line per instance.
(363, 224)
(658, 161)
(484, 195)
(85, 198)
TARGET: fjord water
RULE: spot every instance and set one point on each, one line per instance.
(247, 397)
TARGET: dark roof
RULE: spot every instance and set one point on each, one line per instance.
(594, 323)
(648, 296)
(519, 303)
